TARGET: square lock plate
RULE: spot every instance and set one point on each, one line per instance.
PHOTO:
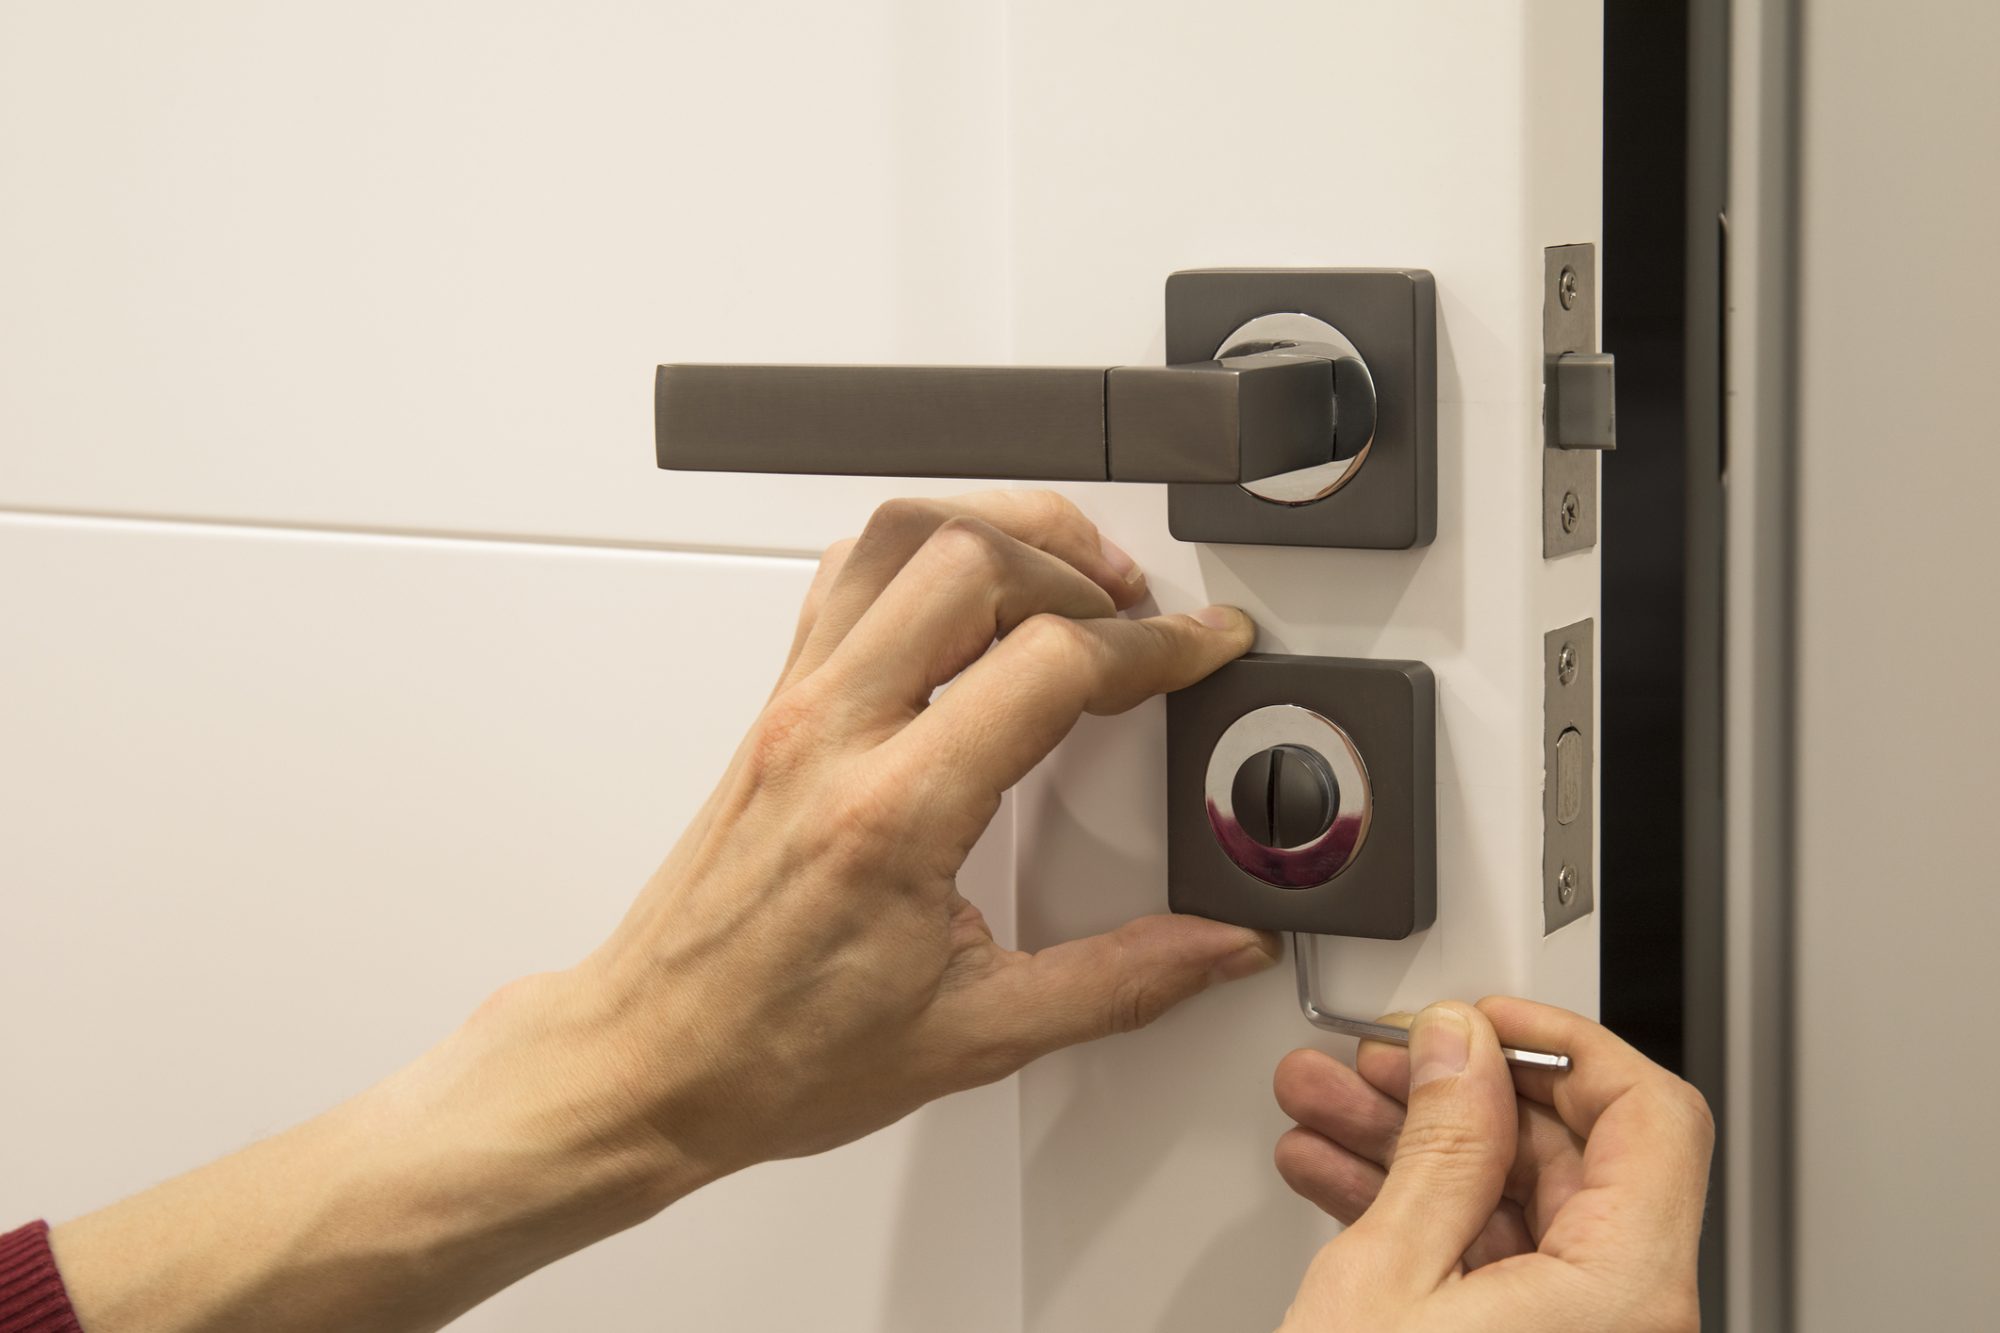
(1302, 796)
(1390, 317)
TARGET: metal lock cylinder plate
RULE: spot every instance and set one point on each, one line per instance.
(1302, 796)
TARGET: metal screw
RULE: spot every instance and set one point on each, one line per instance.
(1566, 663)
(1565, 885)
(1566, 287)
(1572, 509)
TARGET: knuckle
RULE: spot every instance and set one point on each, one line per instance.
(1439, 1145)
(1058, 641)
(968, 547)
(1134, 1002)
(831, 561)
(1129, 1007)
(898, 521)
(785, 731)
(836, 555)
(1178, 640)
(866, 813)
(1688, 1099)
(1294, 1154)
(1294, 1076)
(1049, 512)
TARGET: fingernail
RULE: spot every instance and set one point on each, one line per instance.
(1249, 960)
(1123, 565)
(1220, 617)
(1440, 1044)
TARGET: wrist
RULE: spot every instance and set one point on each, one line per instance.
(500, 1150)
(496, 1152)
(524, 1124)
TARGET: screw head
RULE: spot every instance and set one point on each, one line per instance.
(1566, 287)
(1572, 511)
(1566, 663)
(1566, 885)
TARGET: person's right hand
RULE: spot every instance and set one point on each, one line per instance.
(1536, 1201)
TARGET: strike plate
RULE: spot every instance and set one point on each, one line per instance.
(1569, 324)
(1390, 318)
(1569, 774)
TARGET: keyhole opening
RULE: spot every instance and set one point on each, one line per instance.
(1285, 797)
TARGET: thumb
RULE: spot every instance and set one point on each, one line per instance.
(1455, 1147)
(1123, 979)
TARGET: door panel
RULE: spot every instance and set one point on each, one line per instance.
(276, 812)
(285, 273)
(407, 267)
(1356, 134)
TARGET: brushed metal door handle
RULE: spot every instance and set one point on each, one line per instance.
(1235, 419)
(1298, 407)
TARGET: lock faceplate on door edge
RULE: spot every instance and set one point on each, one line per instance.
(1371, 871)
(1569, 774)
(1579, 420)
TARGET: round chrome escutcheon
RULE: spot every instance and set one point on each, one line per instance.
(1281, 726)
(1303, 335)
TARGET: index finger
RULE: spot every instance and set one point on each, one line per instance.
(899, 528)
(1012, 706)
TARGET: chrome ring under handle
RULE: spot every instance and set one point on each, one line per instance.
(1305, 960)
(1303, 336)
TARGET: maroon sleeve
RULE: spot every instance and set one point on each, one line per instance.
(32, 1298)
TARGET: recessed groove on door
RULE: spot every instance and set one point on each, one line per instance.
(282, 527)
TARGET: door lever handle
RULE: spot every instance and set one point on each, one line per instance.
(1298, 408)
(1235, 419)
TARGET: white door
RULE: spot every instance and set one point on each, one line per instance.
(352, 641)
(1463, 141)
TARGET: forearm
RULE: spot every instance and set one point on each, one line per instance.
(397, 1210)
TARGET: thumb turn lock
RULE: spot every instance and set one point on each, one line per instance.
(1284, 797)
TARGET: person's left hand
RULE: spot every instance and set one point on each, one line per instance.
(802, 969)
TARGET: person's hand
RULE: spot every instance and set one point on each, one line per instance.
(802, 969)
(1543, 1201)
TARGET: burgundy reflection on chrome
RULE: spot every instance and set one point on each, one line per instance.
(1296, 868)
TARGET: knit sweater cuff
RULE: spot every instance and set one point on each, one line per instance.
(32, 1298)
